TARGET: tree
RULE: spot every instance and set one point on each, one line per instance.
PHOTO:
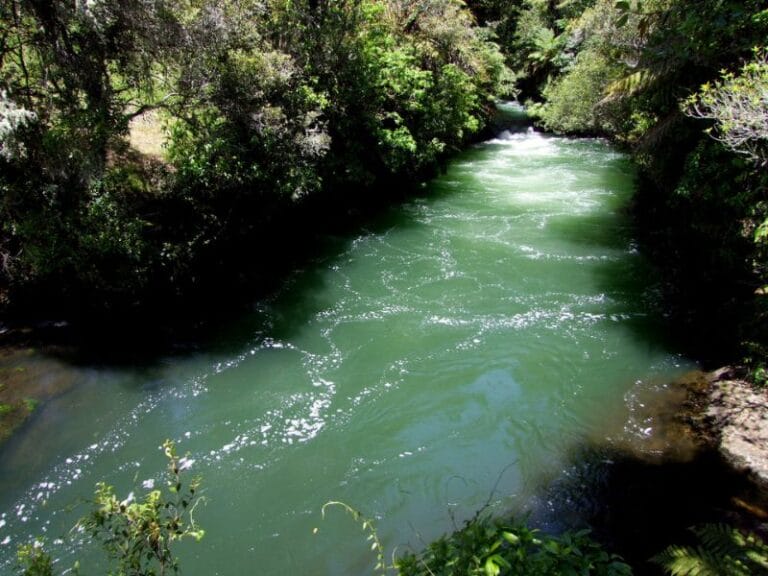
(738, 104)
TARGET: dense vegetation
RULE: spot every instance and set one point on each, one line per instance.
(272, 119)
(683, 85)
(275, 116)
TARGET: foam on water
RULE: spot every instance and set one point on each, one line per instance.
(449, 358)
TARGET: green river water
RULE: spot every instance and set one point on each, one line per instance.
(456, 353)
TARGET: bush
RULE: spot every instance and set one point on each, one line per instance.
(575, 102)
(496, 548)
(137, 535)
(485, 547)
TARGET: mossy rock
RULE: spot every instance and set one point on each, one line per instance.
(12, 416)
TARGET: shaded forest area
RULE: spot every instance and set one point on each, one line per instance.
(163, 160)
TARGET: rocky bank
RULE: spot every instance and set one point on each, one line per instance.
(738, 412)
(731, 414)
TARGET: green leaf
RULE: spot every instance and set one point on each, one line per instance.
(491, 568)
(510, 537)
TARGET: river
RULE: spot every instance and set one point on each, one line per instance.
(456, 353)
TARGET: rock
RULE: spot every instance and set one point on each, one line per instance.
(738, 414)
(724, 411)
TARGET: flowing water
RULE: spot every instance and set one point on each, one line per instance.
(455, 354)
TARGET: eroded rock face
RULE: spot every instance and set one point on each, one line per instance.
(739, 413)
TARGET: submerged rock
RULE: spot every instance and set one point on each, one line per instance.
(28, 379)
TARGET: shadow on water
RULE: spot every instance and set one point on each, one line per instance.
(230, 318)
(285, 310)
(630, 281)
(638, 503)
(643, 487)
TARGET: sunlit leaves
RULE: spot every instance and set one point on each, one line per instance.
(738, 103)
(486, 548)
(722, 551)
(137, 534)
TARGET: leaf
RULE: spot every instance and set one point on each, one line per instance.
(632, 84)
(491, 568)
(197, 534)
(621, 21)
(510, 537)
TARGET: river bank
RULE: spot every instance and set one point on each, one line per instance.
(674, 466)
(30, 376)
(730, 414)
(504, 319)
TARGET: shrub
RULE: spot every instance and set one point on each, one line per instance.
(137, 535)
(495, 548)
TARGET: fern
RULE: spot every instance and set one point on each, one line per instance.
(722, 551)
(630, 85)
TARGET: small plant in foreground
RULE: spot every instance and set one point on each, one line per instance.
(34, 560)
(137, 535)
(368, 526)
(496, 548)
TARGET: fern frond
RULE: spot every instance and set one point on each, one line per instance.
(724, 551)
(720, 539)
(687, 561)
(632, 84)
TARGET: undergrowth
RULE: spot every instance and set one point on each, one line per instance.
(494, 547)
(721, 550)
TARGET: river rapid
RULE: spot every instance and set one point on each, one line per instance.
(455, 354)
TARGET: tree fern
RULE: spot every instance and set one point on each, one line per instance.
(722, 551)
(633, 83)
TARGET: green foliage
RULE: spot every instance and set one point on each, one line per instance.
(137, 535)
(34, 561)
(722, 551)
(574, 102)
(486, 548)
(496, 548)
(738, 103)
(267, 106)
